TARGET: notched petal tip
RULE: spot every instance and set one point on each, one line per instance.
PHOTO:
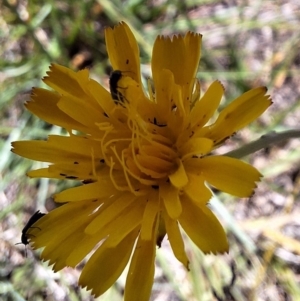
(162, 37)
(194, 34)
(217, 252)
(221, 84)
(264, 91)
(121, 23)
(33, 91)
(89, 289)
(51, 70)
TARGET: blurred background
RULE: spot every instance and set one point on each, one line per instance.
(245, 44)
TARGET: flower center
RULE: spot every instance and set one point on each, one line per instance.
(148, 155)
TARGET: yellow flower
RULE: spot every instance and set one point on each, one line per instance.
(145, 160)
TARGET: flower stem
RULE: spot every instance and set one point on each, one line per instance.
(263, 142)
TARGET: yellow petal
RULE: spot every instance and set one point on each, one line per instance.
(69, 172)
(88, 241)
(207, 105)
(58, 235)
(70, 83)
(87, 192)
(73, 87)
(170, 196)
(149, 216)
(153, 165)
(243, 110)
(102, 96)
(108, 213)
(141, 272)
(106, 223)
(196, 93)
(81, 111)
(176, 240)
(203, 228)
(177, 121)
(163, 95)
(227, 174)
(192, 43)
(86, 244)
(43, 104)
(196, 147)
(246, 107)
(168, 52)
(106, 265)
(60, 217)
(197, 190)
(123, 50)
(179, 178)
(57, 250)
(130, 219)
(81, 171)
(132, 92)
(44, 173)
(59, 149)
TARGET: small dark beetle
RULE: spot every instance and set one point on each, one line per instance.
(24, 238)
(114, 78)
